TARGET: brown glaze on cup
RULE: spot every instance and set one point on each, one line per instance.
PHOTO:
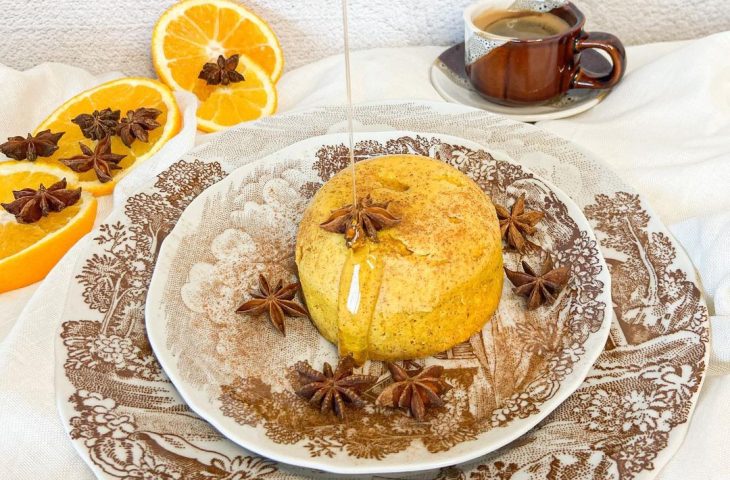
(535, 71)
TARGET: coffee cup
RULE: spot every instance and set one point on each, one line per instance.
(529, 52)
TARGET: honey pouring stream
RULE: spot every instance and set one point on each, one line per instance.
(350, 110)
(362, 272)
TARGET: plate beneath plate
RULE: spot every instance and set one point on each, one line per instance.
(236, 371)
(126, 419)
(450, 81)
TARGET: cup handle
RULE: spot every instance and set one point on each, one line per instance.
(615, 49)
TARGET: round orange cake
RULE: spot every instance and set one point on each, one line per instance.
(429, 283)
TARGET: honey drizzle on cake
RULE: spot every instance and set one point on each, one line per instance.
(360, 281)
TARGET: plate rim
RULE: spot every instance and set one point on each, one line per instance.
(157, 338)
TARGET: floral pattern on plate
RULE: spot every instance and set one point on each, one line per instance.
(649, 374)
(239, 375)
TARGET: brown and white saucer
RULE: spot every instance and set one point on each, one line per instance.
(449, 79)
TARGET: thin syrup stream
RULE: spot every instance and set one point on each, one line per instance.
(350, 111)
(362, 272)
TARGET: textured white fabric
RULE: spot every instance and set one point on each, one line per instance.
(706, 238)
(103, 35)
(33, 443)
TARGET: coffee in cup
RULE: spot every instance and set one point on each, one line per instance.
(520, 24)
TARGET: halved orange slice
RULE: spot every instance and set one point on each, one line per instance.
(195, 32)
(29, 251)
(225, 106)
(124, 94)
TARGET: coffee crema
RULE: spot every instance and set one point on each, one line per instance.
(521, 25)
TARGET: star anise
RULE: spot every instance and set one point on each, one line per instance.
(222, 72)
(101, 159)
(277, 302)
(518, 223)
(414, 391)
(365, 219)
(32, 147)
(539, 288)
(98, 124)
(329, 390)
(30, 205)
(137, 124)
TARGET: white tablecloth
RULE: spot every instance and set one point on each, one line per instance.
(665, 129)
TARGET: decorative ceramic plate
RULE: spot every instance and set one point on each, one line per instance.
(449, 79)
(237, 372)
(627, 418)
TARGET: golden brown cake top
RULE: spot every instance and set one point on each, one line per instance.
(448, 224)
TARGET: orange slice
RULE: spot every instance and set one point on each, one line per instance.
(195, 32)
(222, 107)
(29, 252)
(123, 94)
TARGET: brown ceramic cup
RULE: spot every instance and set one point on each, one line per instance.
(512, 71)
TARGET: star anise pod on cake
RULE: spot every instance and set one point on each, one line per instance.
(222, 72)
(277, 302)
(30, 148)
(518, 223)
(362, 220)
(136, 125)
(30, 205)
(542, 288)
(329, 390)
(101, 159)
(98, 124)
(415, 390)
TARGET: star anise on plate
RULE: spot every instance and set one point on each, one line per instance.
(542, 288)
(30, 205)
(518, 223)
(329, 390)
(30, 148)
(222, 72)
(414, 390)
(362, 220)
(277, 302)
(98, 124)
(101, 159)
(136, 125)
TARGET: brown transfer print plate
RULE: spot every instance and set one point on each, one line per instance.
(237, 371)
(626, 419)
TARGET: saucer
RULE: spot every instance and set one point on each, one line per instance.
(448, 77)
